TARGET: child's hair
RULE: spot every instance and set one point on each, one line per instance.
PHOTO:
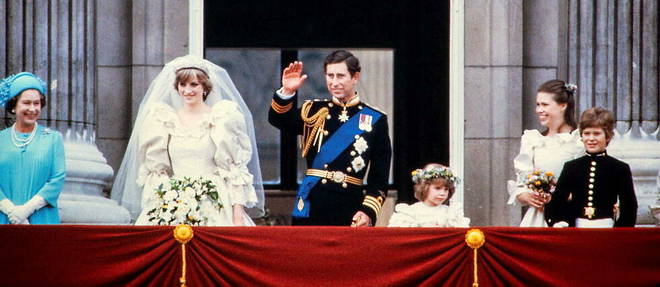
(598, 118)
(432, 172)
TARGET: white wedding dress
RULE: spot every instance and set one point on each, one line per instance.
(548, 153)
(422, 215)
(216, 149)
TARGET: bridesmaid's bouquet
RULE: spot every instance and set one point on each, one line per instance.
(540, 181)
(184, 201)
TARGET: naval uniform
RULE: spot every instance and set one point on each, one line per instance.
(345, 145)
(588, 189)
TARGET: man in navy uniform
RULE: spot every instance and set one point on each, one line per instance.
(342, 139)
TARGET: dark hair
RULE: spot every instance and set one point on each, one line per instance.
(11, 104)
(186, 74)
(562, 94)
(598, 118)
(422, 188)
(352, 62)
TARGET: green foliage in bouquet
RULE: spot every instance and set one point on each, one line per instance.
(184, 201)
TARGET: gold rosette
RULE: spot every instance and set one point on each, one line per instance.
(183, 233)
(475, 238)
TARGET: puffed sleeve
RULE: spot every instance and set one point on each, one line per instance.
(233, 152)
(456, 217)
(576, 142)
(403, 216)
(523, 163)
(153, 139)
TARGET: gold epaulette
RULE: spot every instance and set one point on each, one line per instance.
(313, 127)
(375, 203)
(280, 109)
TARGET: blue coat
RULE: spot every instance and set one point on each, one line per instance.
(38, 168)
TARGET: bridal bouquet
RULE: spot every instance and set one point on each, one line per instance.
(183, 201)
(540, 181)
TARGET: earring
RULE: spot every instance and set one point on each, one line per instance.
(13, 111)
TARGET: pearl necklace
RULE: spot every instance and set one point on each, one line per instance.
(19, 142)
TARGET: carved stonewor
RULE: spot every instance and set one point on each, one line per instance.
(56, 41)
(613, 57)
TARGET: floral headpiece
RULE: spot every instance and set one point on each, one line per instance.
(571, 88)
(434, 172)
(13, 85)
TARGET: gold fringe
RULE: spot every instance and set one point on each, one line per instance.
(313, 129)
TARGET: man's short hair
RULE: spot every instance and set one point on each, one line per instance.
(352, 62)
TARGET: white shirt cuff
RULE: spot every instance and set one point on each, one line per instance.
(282, 96)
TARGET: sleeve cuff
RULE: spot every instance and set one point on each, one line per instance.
(372, 206)
(283, 96)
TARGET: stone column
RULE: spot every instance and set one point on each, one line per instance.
(493, 85)
(56, 40)
(613, 58)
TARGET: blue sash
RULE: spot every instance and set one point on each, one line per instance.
(330, 150)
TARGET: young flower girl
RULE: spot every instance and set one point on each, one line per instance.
(434, 186)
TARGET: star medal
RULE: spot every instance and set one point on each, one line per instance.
(301, 204)
(365, 122)
(589, 212)
(344, 116)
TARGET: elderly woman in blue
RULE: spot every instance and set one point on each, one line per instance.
(31, 156)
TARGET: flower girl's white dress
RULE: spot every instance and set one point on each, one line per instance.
(548, 153)
(422, 215)
(217, 149)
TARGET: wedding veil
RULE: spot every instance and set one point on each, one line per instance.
(125, 189)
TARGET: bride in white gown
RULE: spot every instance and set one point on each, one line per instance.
(192, 123)
(547, 151)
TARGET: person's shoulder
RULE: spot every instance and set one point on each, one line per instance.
(531, 134)
(224, 106)
(404, 208)
(373, 108)
(617, 162)
(50, 133)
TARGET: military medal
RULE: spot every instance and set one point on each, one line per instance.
(344, 116)
(589, 212)
(365, 122)
(301, 204)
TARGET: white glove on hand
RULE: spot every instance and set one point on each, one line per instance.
(20, 213)
(560, 224)
(6, 206)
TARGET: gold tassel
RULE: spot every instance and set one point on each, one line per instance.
(183, 233)
(313, 129)
(474, 238)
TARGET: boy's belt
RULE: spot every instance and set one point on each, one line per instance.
(336, 176)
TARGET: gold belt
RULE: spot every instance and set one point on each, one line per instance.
(336, 176)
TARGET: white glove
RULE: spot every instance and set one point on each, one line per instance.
(560, 224)
(6, 206)
(20, 213)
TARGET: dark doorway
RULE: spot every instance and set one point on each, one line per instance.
(417, 31)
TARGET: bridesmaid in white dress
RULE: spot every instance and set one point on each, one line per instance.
(193, 123)
(547, 150)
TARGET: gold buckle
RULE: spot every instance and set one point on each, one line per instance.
(337, 176)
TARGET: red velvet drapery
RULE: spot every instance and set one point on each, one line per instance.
(326, 256)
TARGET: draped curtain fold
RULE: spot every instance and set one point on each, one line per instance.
(326, 256)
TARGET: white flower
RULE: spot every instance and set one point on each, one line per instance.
(167, 216)
(360, 145)
(358, 163)
(170, 195)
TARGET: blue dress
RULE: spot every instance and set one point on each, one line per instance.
(37, 168)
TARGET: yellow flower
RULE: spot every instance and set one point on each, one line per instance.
(529, 176)
(537, 183)
(549, 173)
(536, 172)
(414, 172)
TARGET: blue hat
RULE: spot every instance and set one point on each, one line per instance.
(13, 85)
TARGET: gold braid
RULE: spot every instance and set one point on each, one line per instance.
(313, 129)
